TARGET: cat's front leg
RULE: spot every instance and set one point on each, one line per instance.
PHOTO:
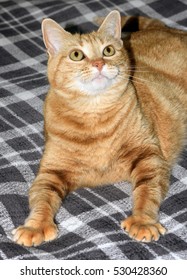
(45, 196)
(150, 177)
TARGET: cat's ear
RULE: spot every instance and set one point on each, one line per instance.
(54, 36)
(112, 25)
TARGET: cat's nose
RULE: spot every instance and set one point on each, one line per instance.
(99, 63)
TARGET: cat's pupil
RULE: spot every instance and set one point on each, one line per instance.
(76, 54)
(108, 49)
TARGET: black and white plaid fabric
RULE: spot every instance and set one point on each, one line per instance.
(89, 219)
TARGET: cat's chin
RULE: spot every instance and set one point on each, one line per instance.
(95, 86)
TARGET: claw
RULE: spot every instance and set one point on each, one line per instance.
(143, 230)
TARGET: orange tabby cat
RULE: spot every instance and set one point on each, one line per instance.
(115, 111)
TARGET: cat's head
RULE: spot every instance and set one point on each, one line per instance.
(90, 63)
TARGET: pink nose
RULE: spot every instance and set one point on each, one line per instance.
(98, 64)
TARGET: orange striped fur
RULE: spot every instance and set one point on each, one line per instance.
(115, 111)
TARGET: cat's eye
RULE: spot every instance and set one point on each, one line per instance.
(109, 51)
(76, 55)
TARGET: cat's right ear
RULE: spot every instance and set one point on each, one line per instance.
(53, 36)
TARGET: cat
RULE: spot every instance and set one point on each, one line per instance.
(116, 110)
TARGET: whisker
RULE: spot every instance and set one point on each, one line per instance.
(144, 80)
(136, 79)
(127, 78)
(141, 71)
(138, 69)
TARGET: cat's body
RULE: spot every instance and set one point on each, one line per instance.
(112, 113)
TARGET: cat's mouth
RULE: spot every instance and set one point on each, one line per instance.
(99, 78)
(105, 75)
(99, 82)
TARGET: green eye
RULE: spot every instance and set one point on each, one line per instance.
(76, 55)
(109, 51)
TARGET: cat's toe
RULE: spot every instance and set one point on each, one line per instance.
(142, 230)
(29, 236)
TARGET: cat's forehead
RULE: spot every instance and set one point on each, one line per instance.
(91, 44)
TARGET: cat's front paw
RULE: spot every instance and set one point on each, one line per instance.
(142, 229)
(30, 236)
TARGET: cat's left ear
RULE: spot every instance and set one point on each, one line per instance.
(112, 25)
(54, 36)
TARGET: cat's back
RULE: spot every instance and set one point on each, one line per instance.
(159, 59)
(159, 74)
(161, 49)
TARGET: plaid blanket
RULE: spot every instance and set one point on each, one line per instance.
(89, 219)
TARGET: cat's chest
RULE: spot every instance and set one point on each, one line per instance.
(94, 150)
(100, 155)
(99, 162)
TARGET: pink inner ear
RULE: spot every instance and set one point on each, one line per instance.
(49, 46)
(53, 41)
(52, 36)
(112, 25)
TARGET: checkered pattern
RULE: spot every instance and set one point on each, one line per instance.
(89, 220)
